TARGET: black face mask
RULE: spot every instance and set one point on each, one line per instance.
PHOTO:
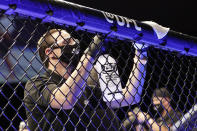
(70, 54)
(158, 108)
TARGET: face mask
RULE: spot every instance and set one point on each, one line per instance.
(158, 108)
(70, 54)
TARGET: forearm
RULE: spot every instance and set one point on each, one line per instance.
(67, 95)
(135, 82)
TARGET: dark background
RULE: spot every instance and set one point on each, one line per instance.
(178, 15)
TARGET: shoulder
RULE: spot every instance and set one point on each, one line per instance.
(36, 81)
(179, 114)
(174, 116)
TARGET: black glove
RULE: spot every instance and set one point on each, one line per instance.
(94, 47)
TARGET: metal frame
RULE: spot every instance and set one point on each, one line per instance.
(63, 12)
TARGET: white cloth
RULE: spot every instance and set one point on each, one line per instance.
(159, 30)
(109, 79)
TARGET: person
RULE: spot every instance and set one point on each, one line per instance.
(162, 102)
(7, 29)
(60, 99)
(187, 121)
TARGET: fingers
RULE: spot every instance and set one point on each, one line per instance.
(134, 112)
(139, 46)
(97, 39)
(94, 47)
(141, 116)
(131, 113)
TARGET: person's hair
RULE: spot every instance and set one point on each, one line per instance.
(161, 92)
(44, 42)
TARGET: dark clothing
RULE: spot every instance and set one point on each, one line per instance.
(90, 112)
(5, 45)
(169, 119)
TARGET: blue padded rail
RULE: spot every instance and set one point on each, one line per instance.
(63, 12)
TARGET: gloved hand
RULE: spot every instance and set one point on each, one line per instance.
(94, 47)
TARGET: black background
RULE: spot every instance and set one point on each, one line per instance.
(178, 15)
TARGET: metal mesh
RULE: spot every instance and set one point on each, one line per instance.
(29, 95)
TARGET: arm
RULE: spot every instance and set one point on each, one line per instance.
(135, 82)
(132, 121)
(155, 126)
(151, 123)
(67, 95)
(133, 89)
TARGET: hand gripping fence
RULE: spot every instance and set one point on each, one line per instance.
(64, 66)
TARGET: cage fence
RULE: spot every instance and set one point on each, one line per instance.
(119, 90)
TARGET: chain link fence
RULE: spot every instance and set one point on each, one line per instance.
(63, 77)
